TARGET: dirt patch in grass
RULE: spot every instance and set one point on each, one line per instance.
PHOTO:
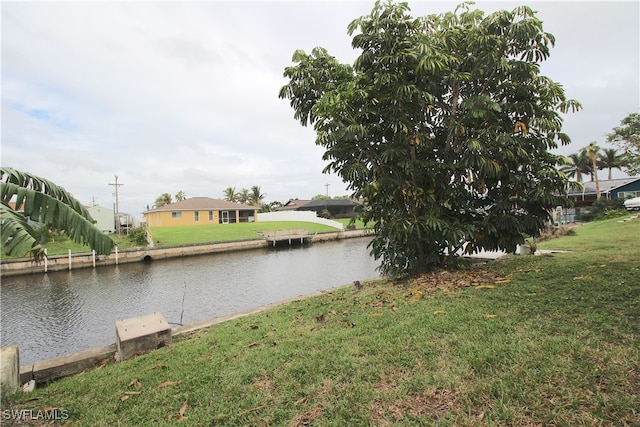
(431, 404)
(451, 280)
(308, 417)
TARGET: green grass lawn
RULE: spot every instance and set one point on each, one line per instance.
(522, 341)
(60, 245)
(174, 236)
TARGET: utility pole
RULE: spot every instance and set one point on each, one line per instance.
(117, 212)
(326, 202)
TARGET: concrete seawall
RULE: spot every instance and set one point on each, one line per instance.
(72, 364)
(87, 260)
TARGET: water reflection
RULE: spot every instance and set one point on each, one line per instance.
(58, 313)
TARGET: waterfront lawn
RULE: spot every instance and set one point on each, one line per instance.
(524, 340)
(62, 244)
(174, 236)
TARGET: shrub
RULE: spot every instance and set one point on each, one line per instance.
(138, 236)
(603, 209)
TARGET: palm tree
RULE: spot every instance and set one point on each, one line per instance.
(610, 159)
(180, 196)
(579, 164)
(256, 197)
(243, 196)
(43, 201)
(592, 151)
(230, 194)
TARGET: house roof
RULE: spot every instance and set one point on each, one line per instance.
(292, 205)
(606, 186)
(330, 202)
(203, 204)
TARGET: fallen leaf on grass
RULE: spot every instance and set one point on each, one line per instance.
(182, 410)
(159, 366)
(135, 383)
(490, 316)
(485, 287)
(438, 312)
(416, 296)
(128, 394)
(376, 314)
(167, 384)
(200, 358)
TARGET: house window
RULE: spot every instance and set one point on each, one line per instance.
(176, 215)
(628, 194)
(210, 215)
(196, 216)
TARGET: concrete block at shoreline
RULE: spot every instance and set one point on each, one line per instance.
(9, 370)
(64, 366)
(140, 335)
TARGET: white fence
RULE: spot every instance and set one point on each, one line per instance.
(307, 216)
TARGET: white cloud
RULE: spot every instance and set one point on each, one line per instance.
(184, 95)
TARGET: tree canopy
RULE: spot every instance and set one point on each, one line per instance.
(627, 137)
(163, 199)
(442, 125)
(42, 201)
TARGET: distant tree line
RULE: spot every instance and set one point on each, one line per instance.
(592, 158)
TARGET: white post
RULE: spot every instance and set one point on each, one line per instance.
(93, 253)
(46, 260)
(69, 259)
(116, 255)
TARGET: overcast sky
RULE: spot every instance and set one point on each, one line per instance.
(176, 96)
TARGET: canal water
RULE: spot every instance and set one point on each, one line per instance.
(53, 314)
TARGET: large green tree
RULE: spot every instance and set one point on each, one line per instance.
(25, 197)
(627, 137)
(443, 125)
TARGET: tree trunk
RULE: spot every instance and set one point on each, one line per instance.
(595, 175)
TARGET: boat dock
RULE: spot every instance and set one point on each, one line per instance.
(291, 236)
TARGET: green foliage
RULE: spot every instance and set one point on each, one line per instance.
(604, 209)
(138, 236)
(627, 137)
(41, 201)
(163, 199)
(180, 196)
(610, 159)
(443, 126)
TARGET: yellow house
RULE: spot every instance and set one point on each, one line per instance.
(200, 211)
